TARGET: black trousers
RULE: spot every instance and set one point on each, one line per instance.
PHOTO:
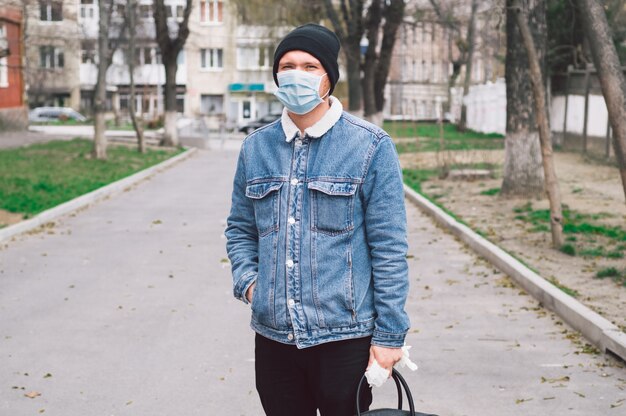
(293, 382)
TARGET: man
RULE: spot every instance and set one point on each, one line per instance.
(317, 239)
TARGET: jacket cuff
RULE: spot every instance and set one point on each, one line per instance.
(385, 339)
(243, 285)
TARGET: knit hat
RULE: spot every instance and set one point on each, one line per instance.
(316, 40)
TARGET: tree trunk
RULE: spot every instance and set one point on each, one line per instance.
(349, 33)
(137, 123)
(374, 18)
(393, 14)
(610, 74)
(523, 174)
(170, 136)
(170, 47)
(468, 63)
(99, 108)
(552, 184)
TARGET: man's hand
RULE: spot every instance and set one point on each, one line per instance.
(386, 357)
(250, 291)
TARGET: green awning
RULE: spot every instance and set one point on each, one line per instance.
(239, 87)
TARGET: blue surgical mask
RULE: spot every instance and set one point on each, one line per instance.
(299, 90)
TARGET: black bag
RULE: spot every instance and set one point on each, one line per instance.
(400, 383)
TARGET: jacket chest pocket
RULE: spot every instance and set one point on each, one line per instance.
(332, 206)
(265, 197)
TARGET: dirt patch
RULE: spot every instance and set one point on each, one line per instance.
(9, 218)
(588, 188)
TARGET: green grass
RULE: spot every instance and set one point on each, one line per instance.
(426, 137)
(573, 293)
(431, 130)
(617, 276)
(41, 176)
(414, 177)
(600, 240)
(491, 191)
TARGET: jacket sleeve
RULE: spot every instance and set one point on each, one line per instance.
(385, 224)
(241, 235)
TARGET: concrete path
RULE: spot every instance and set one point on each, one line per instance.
(126, 308)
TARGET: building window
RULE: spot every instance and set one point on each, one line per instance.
(255, 57)
(120, 10)
(180, 103)
(4, 73)
(175, 11)
(88, 52)
(211, 58)
(50, 11)
(211, 11)
(51, 57)
(124, 100)
(87, 9)
(145, 11)
(4, 69)
(211, 104)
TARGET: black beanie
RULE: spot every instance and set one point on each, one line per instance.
(316, 40)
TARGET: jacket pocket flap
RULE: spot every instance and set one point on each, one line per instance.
(333, 188)
(260, 190)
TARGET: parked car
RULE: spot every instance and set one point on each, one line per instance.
(253, 125)
(46, 114)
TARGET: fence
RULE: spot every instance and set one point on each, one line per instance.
(578, 114)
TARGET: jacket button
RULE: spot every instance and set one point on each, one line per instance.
(291, 302)
(294, 181)
(289, 263)
(290, 336)
(291, 220)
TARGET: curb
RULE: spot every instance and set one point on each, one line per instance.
(598, 330)
(89, 198)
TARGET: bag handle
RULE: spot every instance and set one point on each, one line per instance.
(399, 381)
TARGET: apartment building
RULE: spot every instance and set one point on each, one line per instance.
(52, 44)
(224, 72)
(229, 66)
(12, 110)
(422, 62)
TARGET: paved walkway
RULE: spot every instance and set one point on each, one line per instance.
(126, 309)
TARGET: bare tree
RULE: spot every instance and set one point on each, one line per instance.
(449, 15)
(523, 174)
(543, 121)
(378, 60)
(171, 41)
(471, 44)
(131, 11)
(610, 73)
(105, 8)
(349, 29)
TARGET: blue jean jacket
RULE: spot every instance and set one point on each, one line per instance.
(319, 224)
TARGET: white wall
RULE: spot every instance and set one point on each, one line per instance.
(486, 111)
(486, 107)
(597, 115)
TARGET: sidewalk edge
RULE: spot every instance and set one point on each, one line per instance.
(597, 329)
(89, 198)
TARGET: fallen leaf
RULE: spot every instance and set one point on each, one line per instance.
(48, 375)
(32, 394)
(554, 380)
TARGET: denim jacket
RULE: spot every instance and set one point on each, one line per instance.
(318, 222)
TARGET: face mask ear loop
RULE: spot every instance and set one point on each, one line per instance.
(329, 88)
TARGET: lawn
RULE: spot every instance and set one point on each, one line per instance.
(425, 137)
(41, 176)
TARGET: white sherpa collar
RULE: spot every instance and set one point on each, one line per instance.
(318, 129)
